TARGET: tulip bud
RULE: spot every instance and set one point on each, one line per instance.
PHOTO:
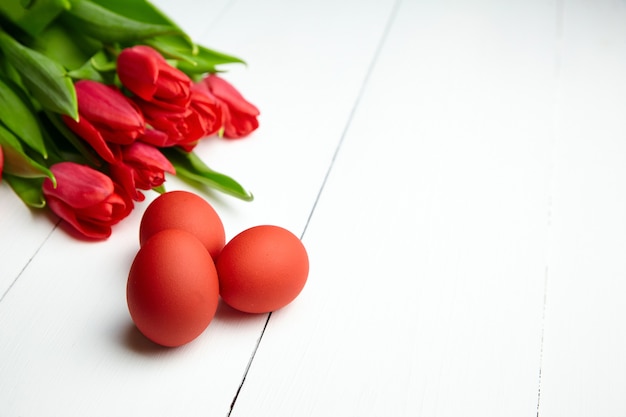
(86, 199)
(106, 116)
(147, 74)
(142, 167)
(240, 115)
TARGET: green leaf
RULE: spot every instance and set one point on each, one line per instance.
(170, 48)
(18, 117)
(9, 72)
(140, 10)
(32, 16)
(27, 189)
(77, 144)
(17, 162)
(62, 44)
(100, 67)
(103, 24)
(189, 166)
(144, 11)
(44, 78)
(102, 62)
(87, 72)
(207, 60)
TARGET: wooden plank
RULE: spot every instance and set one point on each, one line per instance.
(427, 245)
(22, 232)
(67, 345)
(196, 18)
(584, 365)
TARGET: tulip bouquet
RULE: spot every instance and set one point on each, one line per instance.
(99, 99)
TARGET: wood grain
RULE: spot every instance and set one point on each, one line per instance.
(428, 243)
(456, 172)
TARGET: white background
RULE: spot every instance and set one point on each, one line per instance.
(457, 173)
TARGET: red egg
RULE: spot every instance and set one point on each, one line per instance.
(262, 269)
(172, 290)
(185, 211)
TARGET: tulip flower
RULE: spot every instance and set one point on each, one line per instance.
(203, 117)
(142, 167)
(167, 128)
(118, 105)
(105, 116)
(86, 199)
(240, 115)
(144, 72)
(210, 110)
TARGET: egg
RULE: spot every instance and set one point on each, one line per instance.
(185, 211)
(172, 290)
(262, 269)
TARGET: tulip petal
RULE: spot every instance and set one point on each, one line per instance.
(123, 175)
(148, 155)
(240, 125)
(78, 185)
(208, 108)
(138, 71)
(121, 206)
(223, 90)
(157, 138)
(91, 135)
(173, 84)
(98, 213)
(89, 229)
(108, 109)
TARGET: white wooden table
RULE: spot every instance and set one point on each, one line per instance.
(457, 172)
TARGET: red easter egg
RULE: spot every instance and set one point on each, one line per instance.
(185, 211)
(172, 290)
(262, 269)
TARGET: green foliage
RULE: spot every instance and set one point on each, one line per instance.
(190, 167)
(101, 23)
(45, 45)
(27, 189)
(44, 78)
(17, 116)
(17, 161)
(32, 16)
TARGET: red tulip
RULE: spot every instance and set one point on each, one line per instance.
(209, 108)
(202, 117)
(171, 127)
(208, 111)
(240, 115)
(142, 167)
(147, 74)
(105, 116)
(86, 199)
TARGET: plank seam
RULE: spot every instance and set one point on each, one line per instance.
(29, 261)
(387, 29)
(370, 70)
(559, 33)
